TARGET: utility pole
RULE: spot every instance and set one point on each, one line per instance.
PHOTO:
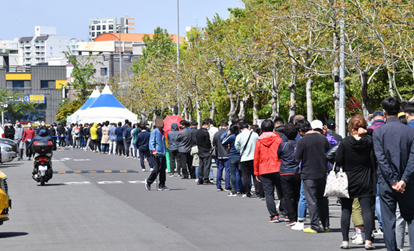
(342, 130)
(120, 56)
(178, 56)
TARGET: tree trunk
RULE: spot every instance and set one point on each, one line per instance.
(213, 109)
(242, 111)
(255, 110)
(198, 109)
(364, 94)
(275, 95)
(292, 90)
(233, 109)
(309, 104)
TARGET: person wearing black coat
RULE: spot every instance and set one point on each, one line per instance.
(355, 155)
(9, 132)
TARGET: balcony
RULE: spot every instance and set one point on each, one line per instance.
(17, 68)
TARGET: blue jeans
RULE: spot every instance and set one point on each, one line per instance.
(223, 164)
(378, 208)
(235, 175)
(302, 204)
(105, 148)
(135, 151)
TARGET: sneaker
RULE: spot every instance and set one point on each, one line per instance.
(338, 203)
(309, 230)
(287, 218)
(344, 245)
(165, 188)
(147, 186)
(220, 189)
(291, 224)
(369, 246)
(227, 190)
(326, 230)
(143, 170)
(378, 232)
(354, 236)
(171, 175)
(151, 169)
(358, 240)
(298, 226)
(274, 219)
(244, 196)
(232, 194)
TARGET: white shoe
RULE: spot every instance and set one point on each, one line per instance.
(298, 226)
(143, 170)
(358, 240)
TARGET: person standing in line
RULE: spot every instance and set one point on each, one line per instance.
(105, 138)
(234, 160)
(394, 149)
(112, 139)
(184, 148)
(135, 133)
(173, 145)
(126, 133)
(222, 159)
(311, 149)
(245, 143)
(87, 134)
(212, 130)
(204, 153)
(143, 148)
(280, 128)
(81, 137)
(76, 135)
(120, 148)
(290, 173)
(355, 155)
(28, 135)
(193, 129)
(158, 148)
(18, 136)
(329, 128)
(267, 165)
(126, 146)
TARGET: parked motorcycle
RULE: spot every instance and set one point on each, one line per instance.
(42, 163)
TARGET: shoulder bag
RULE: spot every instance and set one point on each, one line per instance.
(337, 184)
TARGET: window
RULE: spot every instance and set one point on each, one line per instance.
(98, 27)
(18, 84)
(93, 34)
(111, 26)
(104, 71)
(98, 33)
(103, 27)
(45, 84)
(93, 27)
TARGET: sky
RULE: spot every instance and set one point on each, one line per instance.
(71, 17)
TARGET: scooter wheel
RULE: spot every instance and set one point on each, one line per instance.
(42, 181)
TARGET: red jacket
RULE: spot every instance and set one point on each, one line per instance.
(265, 154)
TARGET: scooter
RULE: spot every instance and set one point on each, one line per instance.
(42, 163)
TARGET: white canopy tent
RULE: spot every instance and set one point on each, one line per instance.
(95, 94)
(106, 108)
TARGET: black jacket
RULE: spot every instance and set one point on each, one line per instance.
(185, 141)
(203, 143)
(220, 149)
(173, 144)
(9, 132)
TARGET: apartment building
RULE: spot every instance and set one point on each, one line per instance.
(100, 26)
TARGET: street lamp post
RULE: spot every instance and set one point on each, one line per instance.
(342, 130)
(3, 105)
(178, 56)
(120, 56)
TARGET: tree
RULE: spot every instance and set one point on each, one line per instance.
(82, 74)
(16, 107)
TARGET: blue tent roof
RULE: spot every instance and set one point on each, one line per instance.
(95, 94)
(106, 99)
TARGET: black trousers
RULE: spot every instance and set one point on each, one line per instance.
(175, 158)
(269, 183)
(247, 172)
(28, 150)
(120, 149)
(314, 190)
(204, 169)
(388, 201)
(186, 163)
(161, 165)
(291, 194)
(367, 204)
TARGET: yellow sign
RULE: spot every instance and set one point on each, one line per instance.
(18, 76)
(60, 83)
(36, 98)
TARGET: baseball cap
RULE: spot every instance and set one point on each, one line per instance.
(377, 113)
(316, 124)
(330, 124)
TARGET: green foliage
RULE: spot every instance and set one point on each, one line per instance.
(67, 108)
(82, 74)
(15, 105)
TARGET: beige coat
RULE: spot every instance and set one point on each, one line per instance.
(105, 135)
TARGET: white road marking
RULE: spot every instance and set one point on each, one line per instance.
(81, 160)
(110, 182)
(76, 183)
(137, 181)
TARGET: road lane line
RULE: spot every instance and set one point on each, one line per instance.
(110, 182)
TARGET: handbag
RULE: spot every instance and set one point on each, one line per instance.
(214, 153)
(337, 184)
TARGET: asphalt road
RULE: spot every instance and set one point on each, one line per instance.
(114, 211)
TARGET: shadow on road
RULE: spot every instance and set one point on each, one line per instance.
(53, 185)
(10, 164)
(12, 234)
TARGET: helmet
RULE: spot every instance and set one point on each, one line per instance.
(43, 132)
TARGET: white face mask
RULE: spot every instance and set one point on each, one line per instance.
(43, 124)
(29, 125)
(18, 124)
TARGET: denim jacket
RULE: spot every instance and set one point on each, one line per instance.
(157, 142)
